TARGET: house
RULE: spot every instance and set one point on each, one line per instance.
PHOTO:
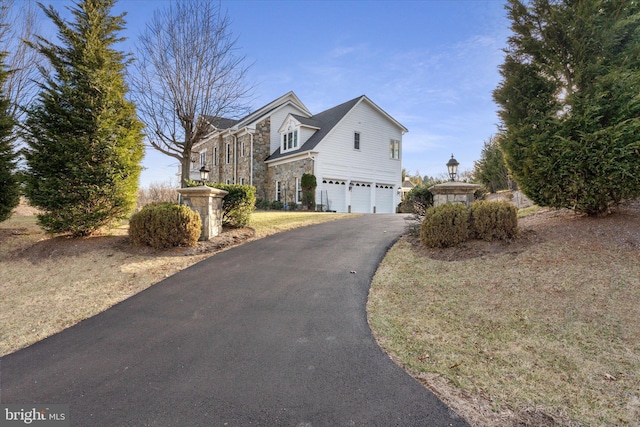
(353, 149)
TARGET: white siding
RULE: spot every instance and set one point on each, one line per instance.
(372, 163)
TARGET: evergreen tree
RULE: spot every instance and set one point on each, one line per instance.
(9, 186)
(569, 102)
(491, 170)
(84, 139)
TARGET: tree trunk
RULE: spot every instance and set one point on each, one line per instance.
(185, 171)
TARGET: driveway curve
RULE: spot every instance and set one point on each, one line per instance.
(270, 333)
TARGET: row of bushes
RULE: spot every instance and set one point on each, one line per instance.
(452, 224)
(276, 205)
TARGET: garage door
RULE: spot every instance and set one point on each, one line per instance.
(333, 194)
(384, 199)
(361, 198)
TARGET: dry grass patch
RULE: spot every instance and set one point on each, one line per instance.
(268, 222)
(544, 330)
(50, 283)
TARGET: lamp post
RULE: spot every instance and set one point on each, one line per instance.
(452, 167)
(204, 174)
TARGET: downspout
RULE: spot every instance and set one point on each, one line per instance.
(235, 159)
(251, 160)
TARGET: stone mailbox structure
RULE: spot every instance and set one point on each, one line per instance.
(207, 202)
(453, 192)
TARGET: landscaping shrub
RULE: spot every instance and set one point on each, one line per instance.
(493, 220)
(262, 204)
(308, 183)
(238, 205)
(276, 205)
(164, 225)
(445, 225)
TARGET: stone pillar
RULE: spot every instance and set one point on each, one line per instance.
(207, 202)
(453, 192)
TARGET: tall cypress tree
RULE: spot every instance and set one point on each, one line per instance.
(569, 102)
(9, 187)
(84, 139)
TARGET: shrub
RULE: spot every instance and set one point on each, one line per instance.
(276, 205)
(262, 204)
(493, 220)
(445, 225)
(164, 225)
(238, 205)
(308, 184)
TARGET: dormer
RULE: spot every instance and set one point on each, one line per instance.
(294, 132)
(289, 134)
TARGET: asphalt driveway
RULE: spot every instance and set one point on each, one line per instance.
(270, 333)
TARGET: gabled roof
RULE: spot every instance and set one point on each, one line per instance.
(287, 98)
(220, 122)
(326, 121)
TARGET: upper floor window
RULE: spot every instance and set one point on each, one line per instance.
(215, 156)
(290, 140)
(203, 158)
(228, 153)
(242, 149)
(356, 140)
(394, 147)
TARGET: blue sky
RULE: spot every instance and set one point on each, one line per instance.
(430, 64)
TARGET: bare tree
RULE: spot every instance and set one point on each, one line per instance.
(18, 25)
(188, 69)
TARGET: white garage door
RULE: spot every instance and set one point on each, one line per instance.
(333, 194)
(361, 198)
(384, 199)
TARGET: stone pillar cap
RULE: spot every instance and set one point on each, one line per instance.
(202, 190)
(454, 188)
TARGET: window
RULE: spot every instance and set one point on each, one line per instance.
(215, 156)
(241, 181)
(203, 158)
(227, 181)
(290, 140)
(395, 149)
(356, 140)
(278, 190)
(228, 154)
(242, 150)
(298, 191)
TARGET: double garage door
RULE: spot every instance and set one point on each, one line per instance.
(360, 197)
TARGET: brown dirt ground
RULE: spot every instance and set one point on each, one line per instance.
(620, 229)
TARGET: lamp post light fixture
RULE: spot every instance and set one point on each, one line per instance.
(452, 167)
(204, 174)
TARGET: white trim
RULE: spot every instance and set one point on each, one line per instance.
(291, 158)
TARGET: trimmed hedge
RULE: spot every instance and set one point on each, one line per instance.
(445, 225)
(165, 225)
(493, 220)
(238, 205)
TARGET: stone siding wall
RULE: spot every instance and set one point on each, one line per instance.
(221, 171)
(261, 150)
(286, 174)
